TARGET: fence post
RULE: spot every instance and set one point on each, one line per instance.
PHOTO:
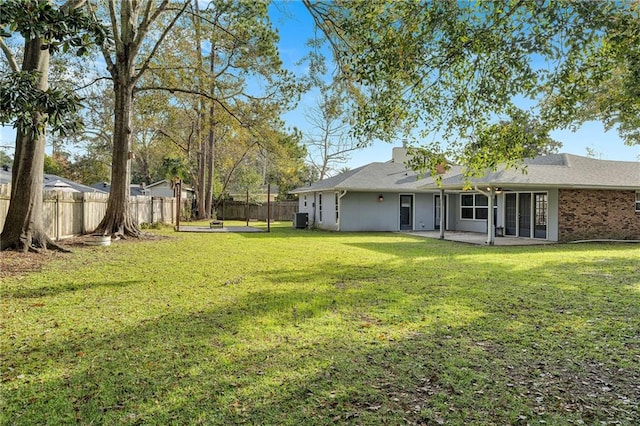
(57, 216)
(83, 224)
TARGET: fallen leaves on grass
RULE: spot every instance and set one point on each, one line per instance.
(13, 263)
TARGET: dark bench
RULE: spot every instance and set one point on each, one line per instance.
(216, 224)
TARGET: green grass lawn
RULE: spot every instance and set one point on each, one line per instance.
(313, 328)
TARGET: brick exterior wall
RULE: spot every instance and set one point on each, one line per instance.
(597, 214)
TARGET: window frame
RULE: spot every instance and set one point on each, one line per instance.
(320, 207)
(475, 206)
(337, 201)
(637, 201)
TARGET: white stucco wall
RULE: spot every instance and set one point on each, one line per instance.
(423, 212)
(305, 205)
(459, 224)
(310, 203)
(362, 211)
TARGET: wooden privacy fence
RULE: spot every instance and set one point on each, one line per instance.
(237, 210)
(67, 214)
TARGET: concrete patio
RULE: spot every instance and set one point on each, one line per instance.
(478, 238)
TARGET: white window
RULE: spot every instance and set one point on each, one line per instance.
(337, 198)
(305, 201)
(474, 206)
(638, 201)
(320, 207)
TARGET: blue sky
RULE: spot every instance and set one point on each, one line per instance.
(296, 26)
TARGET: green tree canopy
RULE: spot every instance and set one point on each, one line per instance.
(30, 105)
(455, 68)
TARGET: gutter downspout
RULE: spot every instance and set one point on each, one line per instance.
(340, 195)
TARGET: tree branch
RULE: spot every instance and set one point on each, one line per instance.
(162, 132)
(192, 92)
(73, 4)
(95, 80)
(105, 52)
(148, 20)
(144, 28)
(13, 64)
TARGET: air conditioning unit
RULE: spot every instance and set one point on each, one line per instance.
(300, 220)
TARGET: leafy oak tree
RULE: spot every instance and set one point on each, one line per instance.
(604, 83)
(138, 29)
(225, 59)
(455, 69)
(27, 101)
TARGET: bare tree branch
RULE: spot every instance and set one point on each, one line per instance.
(105, 52)
(144, 28)
(13, 64)
(192, 92)
(94, 81)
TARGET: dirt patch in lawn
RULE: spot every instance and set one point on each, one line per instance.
(16, 263)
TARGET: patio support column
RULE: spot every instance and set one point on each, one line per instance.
(491, 233)
(442, 214)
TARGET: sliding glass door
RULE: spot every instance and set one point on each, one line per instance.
(526, 214)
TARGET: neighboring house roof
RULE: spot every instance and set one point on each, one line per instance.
(140, 189)
(159, 183)
(169, 185)
(58, 185)
(52, 182)
(556, 170)
(374, 177)
(134, 189)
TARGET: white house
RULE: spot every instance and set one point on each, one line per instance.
(561, 197)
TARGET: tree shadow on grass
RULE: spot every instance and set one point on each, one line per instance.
(355, 345)
(429, 246)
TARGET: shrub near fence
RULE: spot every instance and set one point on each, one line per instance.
(66, 214)
(236, 210)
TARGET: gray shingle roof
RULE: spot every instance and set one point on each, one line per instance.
(5, 177)
(75, 185)
(560, 171)
(557, 170)
(374, 177)
(134, 189)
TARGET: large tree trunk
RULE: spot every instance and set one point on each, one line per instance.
(212, 138)
(210, 164)
(118, 219)
(202, 153)
(24, 227)
(202, 161)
